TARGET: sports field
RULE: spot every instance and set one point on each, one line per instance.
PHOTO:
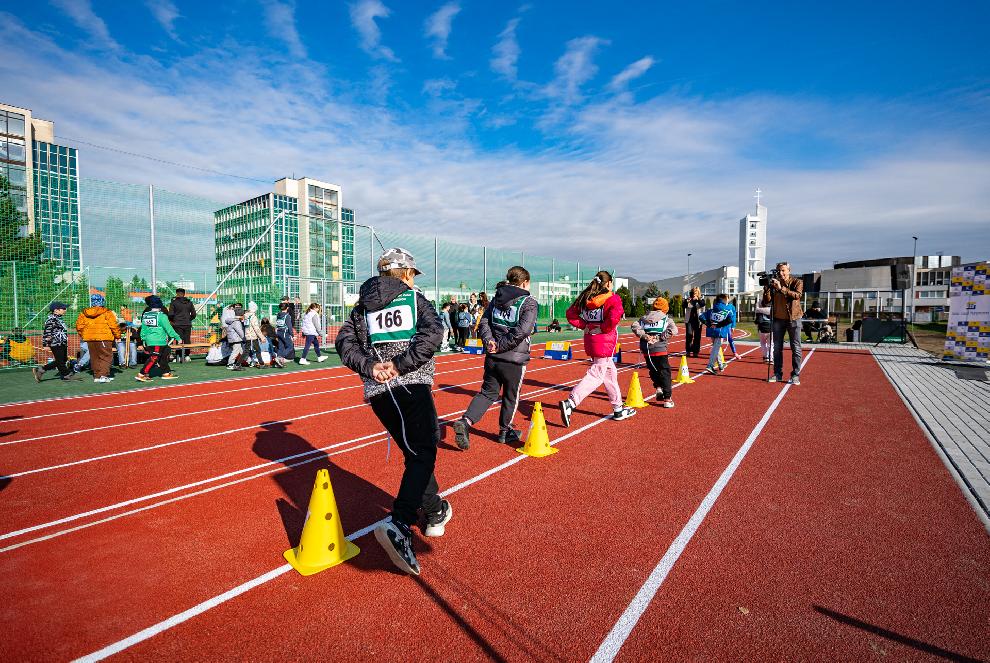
(753, 521)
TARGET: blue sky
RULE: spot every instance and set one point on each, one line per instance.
(625, 136)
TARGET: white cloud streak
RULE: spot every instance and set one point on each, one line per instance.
(166, 13)
(573, 69)
(281, 23)
(639, 184)
(82, 14)
(630, 73)
(506, 52)
(438, 27)
(363, 17)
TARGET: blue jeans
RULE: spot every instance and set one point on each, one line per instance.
(793, 329)
(713, 357)
(84, 359)
(121, 353)
(315, 342)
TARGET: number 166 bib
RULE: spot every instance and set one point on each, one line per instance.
(395, 322)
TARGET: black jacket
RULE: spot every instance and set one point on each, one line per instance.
(513, 341)
(413, 359)
(181, 311)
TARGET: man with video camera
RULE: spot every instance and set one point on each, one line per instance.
(782, 293)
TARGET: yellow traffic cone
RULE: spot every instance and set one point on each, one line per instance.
(634, 398)
(537, 441)
(721, 357)
(683, 373)
(322, 544)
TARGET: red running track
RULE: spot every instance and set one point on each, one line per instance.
(537, 564)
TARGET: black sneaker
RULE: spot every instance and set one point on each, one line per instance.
(565, 412)
(511, 437)
(396, 539)
(436, 522)
(461, 434)
(623, 413)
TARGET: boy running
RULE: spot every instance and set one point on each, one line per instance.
(505, 327)
(156, 331)
(654, 331)
(389, 340)
(719, 321)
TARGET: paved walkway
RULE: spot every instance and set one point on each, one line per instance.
(954, 412)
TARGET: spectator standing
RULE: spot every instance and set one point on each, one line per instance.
(233, 320)
(783, 295)
(253, 335)
(97, 326)
(448, 330)
(181, 313)
(693, 308)
(312, 329)
(464, 321)
(56, 337)
(285, 331)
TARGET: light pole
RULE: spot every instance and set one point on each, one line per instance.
(689, 273)
(914, 259)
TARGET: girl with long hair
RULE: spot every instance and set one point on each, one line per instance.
(597, 311)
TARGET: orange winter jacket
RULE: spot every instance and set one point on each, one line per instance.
(97, 323)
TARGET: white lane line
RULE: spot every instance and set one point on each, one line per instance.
(613, 642)
(237, 430)
(211, 603)
(195, 484)
(445, 358)
(277, 461)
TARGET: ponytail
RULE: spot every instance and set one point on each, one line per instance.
(598, 286)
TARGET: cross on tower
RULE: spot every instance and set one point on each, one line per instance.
(757, 196)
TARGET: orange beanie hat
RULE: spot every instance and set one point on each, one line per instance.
(661, 304)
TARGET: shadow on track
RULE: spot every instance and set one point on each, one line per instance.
(895, 637)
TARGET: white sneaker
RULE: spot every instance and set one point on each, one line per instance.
(101, 380)
(303, 361)
(623, 413)
(436, 523)
(321, 359)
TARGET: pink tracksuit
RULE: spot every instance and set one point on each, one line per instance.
(600, 322)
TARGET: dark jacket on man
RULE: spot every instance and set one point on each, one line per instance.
(413, 359)
(181, 311)
(785, 303)
(509, 320)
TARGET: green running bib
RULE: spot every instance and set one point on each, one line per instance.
(395, 322)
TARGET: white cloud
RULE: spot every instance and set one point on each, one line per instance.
(166, 13)
(82, 14)
(438, 27)
(573, 69)
(506, 51)
(281, 22)
(633, 71)
(633, 186)
(363, 15)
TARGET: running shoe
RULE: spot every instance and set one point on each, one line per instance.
(142, 378)
(321, 359)
(773, 378)
(566, 408)
(795, 380)
(461, 434)
(711, 370)
(667, 403)
(169, 376)
(38, 372)
(436, 522)
(396, 539)
(101, 380)
(511, 436)
(623, 413)
(303, 361)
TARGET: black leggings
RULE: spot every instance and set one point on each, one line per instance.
(157, 354)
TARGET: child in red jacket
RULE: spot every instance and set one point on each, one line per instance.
(597, 311)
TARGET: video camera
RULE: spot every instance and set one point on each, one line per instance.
(767, 276)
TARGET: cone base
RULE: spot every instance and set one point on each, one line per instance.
(688, 381)
(638, 406)
(549, 451)
(290, 556)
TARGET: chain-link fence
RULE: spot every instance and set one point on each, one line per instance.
(135, 240)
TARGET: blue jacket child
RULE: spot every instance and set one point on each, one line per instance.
(719, 319)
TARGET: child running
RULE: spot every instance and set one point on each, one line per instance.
(504, 328)
(56, 337)
(389, 340)
(156, 332)
(654, 331)
(597, 311)
(718, 320)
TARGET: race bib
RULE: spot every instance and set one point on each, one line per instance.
(654, 331)
(280, 323)
(593, 315)
(395, 322)
(149, 320)
(508, 317)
